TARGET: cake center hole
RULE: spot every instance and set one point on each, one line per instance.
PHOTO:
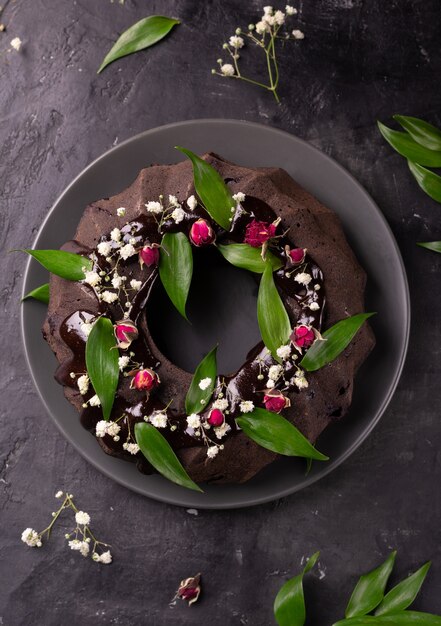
(222, 309)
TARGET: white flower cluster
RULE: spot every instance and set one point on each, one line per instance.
(205, 383)
(158, 419)
(31, 538)
(104, 428)
(246, 406)
(173, 210)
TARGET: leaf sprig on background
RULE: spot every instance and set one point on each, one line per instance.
(40, 293)
(289, 605)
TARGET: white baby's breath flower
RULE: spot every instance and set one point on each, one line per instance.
(127, 251)
(314, 306)
(270, 383)
(123, 362)
(279, 18)
(115, 235)
(239, 196)
(298, 34)
(136, 284)
(116, 281)
(192, 203)
(269, 19)
(95, 401)
(92, 278)
(212, 451)
(106, 557)
(290, 10)
(104, 248)
(154, 207)
(204, 383)
(121, 211)
(227, 69)
(178, 215)
(221, 431)
(246, 406)
(82, 518)
(221, 404)
(274, 372)
(83, 384)
(303, 278)
(236, 42)
(133, 448)
(16, 43)
(193, 420)
(173, 201)
(31, 538)
(268, 10)
(261, 27)
(59, 494)
(300, 381)
(113, 428)
(109, 296)
(158, 419)
(283, 352)
(101, 428)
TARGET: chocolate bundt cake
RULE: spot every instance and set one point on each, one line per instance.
(320, 283)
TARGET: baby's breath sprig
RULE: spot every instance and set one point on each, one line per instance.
(263, 34)
(80, 539)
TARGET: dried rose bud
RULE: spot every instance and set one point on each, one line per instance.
(257, 233)
(189, 589)
(216, 418)
(145, 380)
(296, 255)
(303, 336)
(149, 255)
(201, 233)
(275, 401)
(125, 333)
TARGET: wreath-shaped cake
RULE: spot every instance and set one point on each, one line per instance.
(207, 426)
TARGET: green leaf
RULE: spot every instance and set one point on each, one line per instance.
(274, 324)
(403, 618)
(159, 453)
(369, 590)
(141, 35)
(335, 340)
(197, 398)
(429, 182)
(289, 605)
(64, 264)
(248, 258)
(102, 363)
(40, 293)
(275, 433)
(176, 268)
(211, 189)
(424, 133)
(407, 147)
(431, 245)
(403, 594)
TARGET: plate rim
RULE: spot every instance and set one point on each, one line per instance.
(253, 500)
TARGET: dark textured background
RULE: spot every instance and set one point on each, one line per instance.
(359, 61)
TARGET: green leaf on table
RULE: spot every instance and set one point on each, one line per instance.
(431, 245)
(274, 324)
(40, 293)
(289, 605)
(159, 453)
(403, 594)
(424, 133)
(141, 35)
(275, 433)
(197, 398)
(176, 268)
(402, 618)
(211, 189)
(102, 363)
(248, 258)
(64, 264)
(335, 340)
(407, 147)
(369, 591)
(429, 182)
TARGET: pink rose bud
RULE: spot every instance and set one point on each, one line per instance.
(201, 233)
(216, 418)
(145, 380)
(303, 336)
(190, 589)
(297, 255)
(125, 333)
(275, 401)
(257, 233)
(149, 255)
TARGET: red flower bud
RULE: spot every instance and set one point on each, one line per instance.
(201, 233)
(297, 255)
(303, 336)
(125, 333)
(257, 233)
(149, 255)
(216, 418)
(190, 589)
(275, 401)
(145, 380)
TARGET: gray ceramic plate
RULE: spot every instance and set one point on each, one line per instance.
(387, 293)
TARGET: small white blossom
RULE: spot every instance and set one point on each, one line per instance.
(192, 203)
(92, 278)
(104, 248)
(113, 429)
(204, 383)
(239, 196)
(236, 42)
(303, 278)
(283, 352)
(121, 211)
(290, 10)
(95, 401)
(261, 27)
(30, 537)
(81, 546)
(109, 296)
(298, 34)
(16, 43)
(227, 69)
(59, 494)
(314, 306)
(269, 19)
(158, 419)
(270, 383)
(154, 207)
(101, 428)
(194, 421)
(115, 235)
(123, 362)
(246, 406)
(173, 201)
(106, 557)
(82, 518)
(86, 328)
(83, 384)
(274, 372)
(117, 281)
(279, 18)
(221, 404)
(221, 431)
(127, 251)
(212, 451)
(178, 215)
(268, 10)
(135, 284)
(299, 380)
(133, 448)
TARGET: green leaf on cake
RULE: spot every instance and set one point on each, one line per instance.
(334, 341)
(275, 433)
(159, 453)
(102, 363)
(409, 148)
(176, 268)
(289, 605)
(422, 132)
(64, 264)
(369, 591)
(429, 182)
(197, 398)
(274, 324)
(40, 293)
(435, 246)
(211, 189)
(248, 258)
(141, 35)
(403, 594)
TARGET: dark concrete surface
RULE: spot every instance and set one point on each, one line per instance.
(359, 61)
